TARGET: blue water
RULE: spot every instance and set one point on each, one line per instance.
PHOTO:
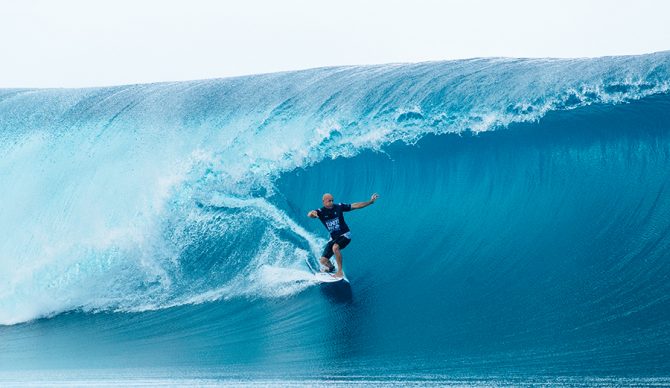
(522, 236)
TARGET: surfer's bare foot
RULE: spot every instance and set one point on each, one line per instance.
(339, 274)
(326, 265)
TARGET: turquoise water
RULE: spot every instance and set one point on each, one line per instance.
(158, 233)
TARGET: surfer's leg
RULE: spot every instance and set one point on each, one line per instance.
(338, 258)
(326, 255)
(326, 263)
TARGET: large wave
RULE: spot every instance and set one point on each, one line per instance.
(149, 196)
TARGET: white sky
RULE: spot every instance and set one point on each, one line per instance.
(48, 43)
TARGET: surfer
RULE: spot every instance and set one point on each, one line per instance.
(332, 217)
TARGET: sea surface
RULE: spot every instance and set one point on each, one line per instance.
(157, 234)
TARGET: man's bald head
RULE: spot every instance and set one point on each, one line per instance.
(327, 200)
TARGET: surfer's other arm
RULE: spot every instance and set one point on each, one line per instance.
(360, 205)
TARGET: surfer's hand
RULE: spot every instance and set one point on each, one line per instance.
(374, 197)
(312, 214)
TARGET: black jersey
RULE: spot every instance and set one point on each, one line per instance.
(333, 219)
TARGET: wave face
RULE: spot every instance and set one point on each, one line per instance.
(524, 219)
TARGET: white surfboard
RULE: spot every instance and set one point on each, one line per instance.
(325, 277)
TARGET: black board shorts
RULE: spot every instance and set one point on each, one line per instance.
(340, 240)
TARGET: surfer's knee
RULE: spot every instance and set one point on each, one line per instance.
(336, 248)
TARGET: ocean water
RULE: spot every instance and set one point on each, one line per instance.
(157, 234)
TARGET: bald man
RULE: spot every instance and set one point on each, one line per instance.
(332, 217)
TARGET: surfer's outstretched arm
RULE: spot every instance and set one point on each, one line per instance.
(360, 205)
(312, 214)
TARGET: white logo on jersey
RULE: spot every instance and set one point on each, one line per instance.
(333, 224)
